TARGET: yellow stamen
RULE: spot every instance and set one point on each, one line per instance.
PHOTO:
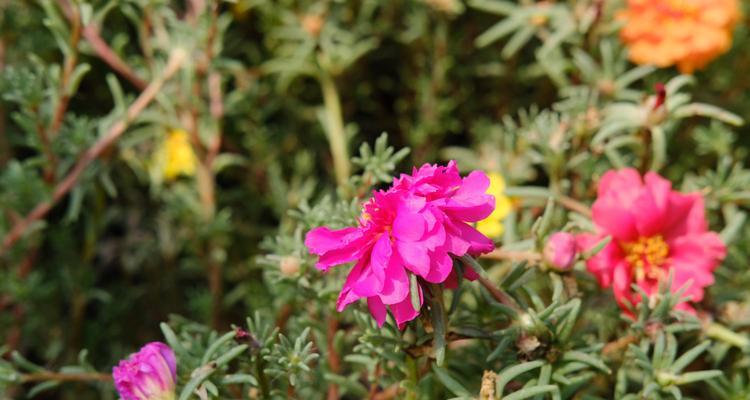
(646, 256)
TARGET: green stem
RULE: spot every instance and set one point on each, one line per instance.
(439, 323)
(335, 127)
(720, 332)
(261, 375)
(413, 376)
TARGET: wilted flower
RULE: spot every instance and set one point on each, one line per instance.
(492, 226)
(654, 231)
(686, 33)
(149, 374)
(413, 228)
(177, 155)
(560, 250)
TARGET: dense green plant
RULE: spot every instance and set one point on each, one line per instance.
(278, 110)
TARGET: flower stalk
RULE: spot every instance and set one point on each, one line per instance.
(334, 127)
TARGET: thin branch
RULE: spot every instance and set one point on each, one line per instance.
(102, 49)
(391, 392)
(217, 113)
(574, 205)
(498, 294)
(334, 127)
(619, 345)
(509, 255)
(334, 362)
(51, 167)
(71, 59)
(66, 377)
(4, 145)
(91, 33)
(176, 58)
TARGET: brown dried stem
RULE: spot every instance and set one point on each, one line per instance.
(498, 294)
(71, 59)
(176, 58)
(66, 377)
(574, 205)
(106, 54)
(509, 255)
(333, 358)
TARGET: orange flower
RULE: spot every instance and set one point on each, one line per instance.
(686, 33)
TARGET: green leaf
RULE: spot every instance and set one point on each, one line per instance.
(689, 357)
(439, 324)
(230, 355)
(171, 338)
(215, 346)
(416, 301)
(574, 355)
(690, 377)
(233, 379)
(449, 382)
(510, 373)
(708, 111)
(534, 391)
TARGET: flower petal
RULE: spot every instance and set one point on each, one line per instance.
(440, 267)
(650, 208)
(396, 285)
(404, 312)
(377, 309)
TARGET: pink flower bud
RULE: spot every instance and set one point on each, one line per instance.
(149, 374)
(560, 250)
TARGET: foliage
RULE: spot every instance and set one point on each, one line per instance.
(285, 104)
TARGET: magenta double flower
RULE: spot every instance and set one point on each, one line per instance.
(413, 228)
(149, 374)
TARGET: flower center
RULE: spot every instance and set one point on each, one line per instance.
(646, 256)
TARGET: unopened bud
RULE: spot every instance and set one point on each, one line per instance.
(312, 24)
(289, 266)
(560, 250)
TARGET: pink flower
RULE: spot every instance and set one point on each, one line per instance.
(413, 228)
(149, 374)
(560, 250)
(654, 231)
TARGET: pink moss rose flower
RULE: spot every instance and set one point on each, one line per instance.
(149, 374)
(414, 227)
(560, 250)
(655, 230)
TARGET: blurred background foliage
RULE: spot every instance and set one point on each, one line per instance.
(263, 124)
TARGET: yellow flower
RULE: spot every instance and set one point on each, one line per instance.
(685, 33)
(178, 158)
(492, 226)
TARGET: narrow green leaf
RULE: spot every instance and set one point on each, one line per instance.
(688, 357)
(510, 373)
(439, 324)
(247, 379)
(574, 355)
(659, 148)
(171, 338)
(215, 346)
(533, 391)
(697, 376)
(449, 382)
(416, 302)
(708, 111)
(198, 377)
